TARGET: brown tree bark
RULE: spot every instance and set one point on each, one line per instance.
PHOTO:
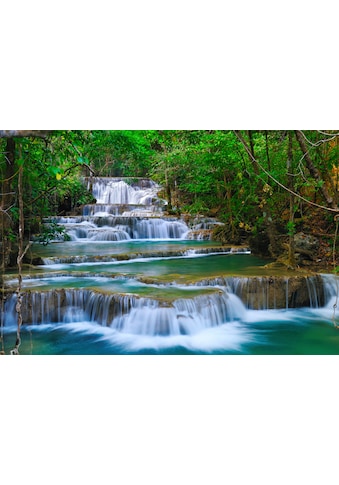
(291, 245)
(18, 307)
(7, 199)
(267, 151)
(250, 138)
(249, 149)
(270, 224)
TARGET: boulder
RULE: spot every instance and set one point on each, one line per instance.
(305, 242)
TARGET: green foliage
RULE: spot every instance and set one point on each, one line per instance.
(201, 171)
(118, 152)
(290, 228)
(52, 232)
(11, 235)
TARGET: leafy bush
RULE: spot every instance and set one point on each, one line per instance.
(52, 232)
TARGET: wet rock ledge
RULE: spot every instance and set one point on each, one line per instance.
(275, 292)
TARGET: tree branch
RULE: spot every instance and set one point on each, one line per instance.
(330, 209)
(313, 170)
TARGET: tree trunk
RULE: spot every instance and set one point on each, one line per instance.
(7, 199)
(250, 150)
(229, 205)
(250, 138)
(168, 192)
(267, 152)
(21, 229)
(270, 225)
(291, 246)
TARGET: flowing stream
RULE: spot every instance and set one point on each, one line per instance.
(132, 280)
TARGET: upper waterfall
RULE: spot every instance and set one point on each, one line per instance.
(130, 208)
(112, 190)
(123, 211)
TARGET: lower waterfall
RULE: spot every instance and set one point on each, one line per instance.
(127, 313)
(216, 320)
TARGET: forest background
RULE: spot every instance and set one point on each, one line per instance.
(267, 186)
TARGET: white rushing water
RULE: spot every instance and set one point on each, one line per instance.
(123, 212)
(115, 191)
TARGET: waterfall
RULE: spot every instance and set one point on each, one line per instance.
(128, 314)
(109, 190)
(123, 211)
(137, 210)
(138, 296)
(133, 314)
(223, 314)
(331, 289)
(276, 292)
(68, 305)
(159, 229)
(119, 228)
(183, 317)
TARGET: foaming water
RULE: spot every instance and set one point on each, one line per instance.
(225, 338)
(125, 228)
(87, 337)
(259, 332)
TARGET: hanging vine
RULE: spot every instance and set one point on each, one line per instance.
(21, 254)
(335, 304)
(21, 229)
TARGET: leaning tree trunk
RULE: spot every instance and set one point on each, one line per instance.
(270, 225)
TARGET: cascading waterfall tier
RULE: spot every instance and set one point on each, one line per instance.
(129, 209)
(138, 210)
(135, 314)
(276, 292)
(120, 228)
(123, 211)
(112, 190)
(127, 314)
